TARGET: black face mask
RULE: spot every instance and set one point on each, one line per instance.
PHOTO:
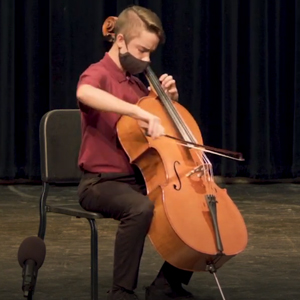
(132, 64)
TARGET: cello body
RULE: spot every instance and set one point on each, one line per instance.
(196, 226)
(182, 230)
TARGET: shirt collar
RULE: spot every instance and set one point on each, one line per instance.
(115, 71)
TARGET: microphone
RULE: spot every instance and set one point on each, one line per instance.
(31, 256)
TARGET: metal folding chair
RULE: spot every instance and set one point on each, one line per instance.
(60, 138)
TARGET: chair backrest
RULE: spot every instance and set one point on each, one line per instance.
(60, 139)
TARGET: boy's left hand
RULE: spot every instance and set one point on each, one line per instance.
(169, 86)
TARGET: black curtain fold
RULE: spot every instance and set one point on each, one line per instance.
(229, 82)
(31, 76)
(7, 90)
(296, 98)
(236, 63)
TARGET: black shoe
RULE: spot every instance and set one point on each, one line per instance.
(119, 293)
(167, 292)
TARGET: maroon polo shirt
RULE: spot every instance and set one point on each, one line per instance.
(100, 151)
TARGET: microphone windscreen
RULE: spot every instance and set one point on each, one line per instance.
(32, 248)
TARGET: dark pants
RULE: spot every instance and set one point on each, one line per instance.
(123, 198)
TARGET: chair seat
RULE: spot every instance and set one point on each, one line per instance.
(73, 210)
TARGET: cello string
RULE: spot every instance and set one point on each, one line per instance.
(165, 99)
(209, 177)
(185, 132)
(182, 127)
(175, 115)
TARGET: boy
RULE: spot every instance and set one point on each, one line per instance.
(110, 185)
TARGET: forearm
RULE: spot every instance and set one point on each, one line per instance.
(101, 100)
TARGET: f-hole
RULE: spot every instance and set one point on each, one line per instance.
(179, 181)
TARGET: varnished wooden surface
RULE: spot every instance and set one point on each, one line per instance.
(267, 269)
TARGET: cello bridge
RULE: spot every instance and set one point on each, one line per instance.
(199, 170)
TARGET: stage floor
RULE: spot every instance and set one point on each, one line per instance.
(269, 268)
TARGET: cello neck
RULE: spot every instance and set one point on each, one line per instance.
(169, 106)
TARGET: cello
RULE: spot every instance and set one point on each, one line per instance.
(196, 226)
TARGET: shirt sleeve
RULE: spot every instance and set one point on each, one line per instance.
(93, 76)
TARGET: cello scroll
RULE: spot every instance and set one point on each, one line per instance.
(108, 28)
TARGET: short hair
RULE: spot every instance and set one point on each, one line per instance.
(134, 18)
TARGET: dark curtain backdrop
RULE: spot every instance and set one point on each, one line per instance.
(236, 62)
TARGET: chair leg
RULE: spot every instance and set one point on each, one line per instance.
(43, 218)
(94, 259)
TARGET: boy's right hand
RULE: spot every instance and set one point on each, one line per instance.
(150, 122)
